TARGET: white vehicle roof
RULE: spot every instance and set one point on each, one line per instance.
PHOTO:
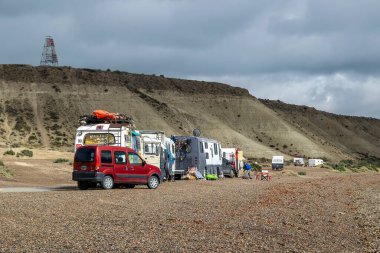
(100, 127)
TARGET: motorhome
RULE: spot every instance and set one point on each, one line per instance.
(277, 162)
(111, 134)
(202, 153)
(315, 162)
(158, 150)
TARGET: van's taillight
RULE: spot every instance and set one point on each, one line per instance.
(97, 165)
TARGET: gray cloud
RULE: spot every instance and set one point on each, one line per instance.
(261, 45)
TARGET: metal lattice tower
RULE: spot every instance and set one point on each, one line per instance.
(49, 56)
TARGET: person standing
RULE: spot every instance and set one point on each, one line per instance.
(247, 170)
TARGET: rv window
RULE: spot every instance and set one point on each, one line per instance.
(215, 148)
(99, 139)
(224, 154)
(207, 156)
(206, 145)
(150, 148)
(120, 157)
(134, 159)
(85, 155)
(106, 156)
(201, 147)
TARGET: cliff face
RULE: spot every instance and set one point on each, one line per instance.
(40, 106)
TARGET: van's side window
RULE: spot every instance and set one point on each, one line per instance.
(215, 148)
(134, 159)
(105, 156)
(201, 147)
(206, 145)
(120, 157)
(207, 156)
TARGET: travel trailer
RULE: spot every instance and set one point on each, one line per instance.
(202, 153)
(277, 162)
(315, 162)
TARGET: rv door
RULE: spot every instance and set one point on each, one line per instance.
(151, 153)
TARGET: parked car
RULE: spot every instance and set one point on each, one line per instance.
(112, 165)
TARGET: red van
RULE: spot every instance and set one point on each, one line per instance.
(110, 166)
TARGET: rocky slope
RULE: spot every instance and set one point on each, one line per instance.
(40, 106)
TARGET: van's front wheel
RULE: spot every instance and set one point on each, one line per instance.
(153, 182)
(107, 182)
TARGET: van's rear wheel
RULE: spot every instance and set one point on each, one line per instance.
(107, 182)
(153, 182)
(82, 185)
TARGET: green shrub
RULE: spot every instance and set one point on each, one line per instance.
(339, 167)
(9, 152)
(61, 160)
(4, 172)
(25, 152)
(256, 167)
(302, 173)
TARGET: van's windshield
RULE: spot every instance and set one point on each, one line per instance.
(85, 155)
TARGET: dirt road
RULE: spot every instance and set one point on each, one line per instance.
(321, 212)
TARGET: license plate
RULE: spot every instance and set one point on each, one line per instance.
(83, 167)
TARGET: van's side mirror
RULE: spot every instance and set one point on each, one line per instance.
(143, 163)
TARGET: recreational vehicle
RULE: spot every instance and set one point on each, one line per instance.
(298, 161)
(277, 162)
(158, 150)
(109, 134)
(202, 153)
(315, 162)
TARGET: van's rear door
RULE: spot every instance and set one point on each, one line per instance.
(84, 159)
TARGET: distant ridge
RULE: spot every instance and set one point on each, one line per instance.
(40, 106)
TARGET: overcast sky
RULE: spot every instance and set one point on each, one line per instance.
(319, 53)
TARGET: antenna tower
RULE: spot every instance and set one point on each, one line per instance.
(49, 56)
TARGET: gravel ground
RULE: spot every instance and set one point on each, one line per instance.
(321, 212)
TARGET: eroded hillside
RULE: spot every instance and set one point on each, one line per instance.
(40, 106)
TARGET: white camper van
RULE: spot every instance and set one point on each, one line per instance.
(158, 150)
(298, 161)
(315, 162)
(277, 162)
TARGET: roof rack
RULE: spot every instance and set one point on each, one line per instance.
(118, 119)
